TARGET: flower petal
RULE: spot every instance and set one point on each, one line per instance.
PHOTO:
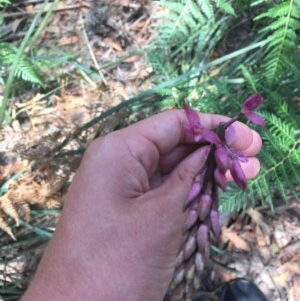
(229, 135)
(210, 136)
(192, 116)
(256, 119)
(251, 103)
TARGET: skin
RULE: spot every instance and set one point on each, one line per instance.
(121, 226)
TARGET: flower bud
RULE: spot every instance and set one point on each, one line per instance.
(202, 237)
(190, 220)
(190, 247)
(199, 263)
(222, 159)
(251, 103)
(204, 206)
(215, 222)
(238, 174)
(193, 194)
(220, 178)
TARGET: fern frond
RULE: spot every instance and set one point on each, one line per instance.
(282, 28)
(280, 170)
(6, 228)
(9, 209)
(25, 68)
(226, 7)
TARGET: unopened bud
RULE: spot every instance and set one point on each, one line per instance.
(190, 220)
(204, 206)
(220, 178)
(190, 247)
(193, 194)
(215, 222)
(251, 103)
(202, 237)
(199, 262)
(222, 159)
(238, 174)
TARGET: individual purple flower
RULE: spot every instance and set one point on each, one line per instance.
(195, 128)
(238, 174)
(251, 103)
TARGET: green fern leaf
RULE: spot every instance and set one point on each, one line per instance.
(25, 69)
(283, 25)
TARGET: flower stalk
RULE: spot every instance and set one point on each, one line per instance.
(202, 226)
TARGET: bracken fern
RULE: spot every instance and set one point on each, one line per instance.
(283, 22)
(25, 68)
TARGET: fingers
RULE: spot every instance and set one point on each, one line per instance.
(167, 130)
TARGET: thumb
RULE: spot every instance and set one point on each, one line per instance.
(179, 182)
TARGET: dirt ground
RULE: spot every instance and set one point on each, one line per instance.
(41, 149)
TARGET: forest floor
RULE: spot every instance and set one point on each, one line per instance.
(50, 127)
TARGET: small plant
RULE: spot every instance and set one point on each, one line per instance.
(202, 225)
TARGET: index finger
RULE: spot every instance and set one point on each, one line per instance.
(167, 130)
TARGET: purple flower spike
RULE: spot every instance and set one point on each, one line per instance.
(256, 119)
(251, 103)
(204, 206)
(238, 174)
(220, 178)
(222, 159)
(202, 237)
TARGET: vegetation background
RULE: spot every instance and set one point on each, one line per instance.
(73, 70)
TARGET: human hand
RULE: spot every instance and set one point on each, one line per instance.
(121, 225)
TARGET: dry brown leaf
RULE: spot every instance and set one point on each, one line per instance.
(113, 44)
(260, 237)
(293, 266)
(236, 240)
(68, 41)
(282, 278)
